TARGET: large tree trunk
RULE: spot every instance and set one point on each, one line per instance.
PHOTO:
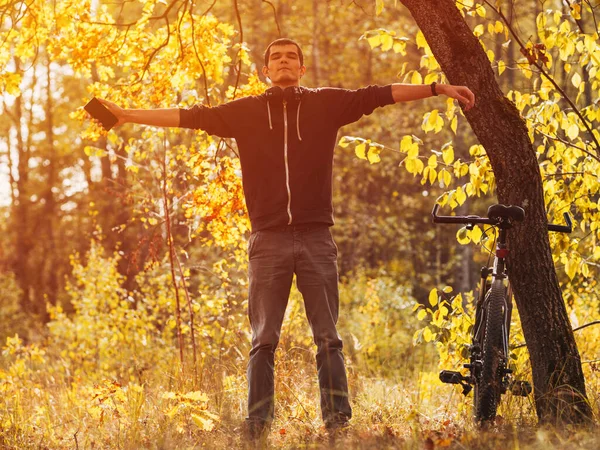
(557, 375)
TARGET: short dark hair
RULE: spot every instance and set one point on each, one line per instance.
(283, 41)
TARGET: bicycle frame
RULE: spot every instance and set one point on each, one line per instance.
(498, 271)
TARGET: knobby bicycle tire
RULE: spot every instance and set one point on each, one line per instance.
(489, 386)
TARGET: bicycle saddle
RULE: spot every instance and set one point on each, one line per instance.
(515, 213)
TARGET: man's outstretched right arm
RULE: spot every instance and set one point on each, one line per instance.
(167, 117)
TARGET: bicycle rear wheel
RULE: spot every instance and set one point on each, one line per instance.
(489, 386)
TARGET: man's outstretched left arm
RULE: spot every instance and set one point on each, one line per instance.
(408, 92)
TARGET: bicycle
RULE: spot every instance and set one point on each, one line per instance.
(489, 373)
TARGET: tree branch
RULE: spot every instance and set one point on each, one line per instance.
(548, 77)
(275, 16)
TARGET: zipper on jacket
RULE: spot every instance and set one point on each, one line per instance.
(287, 168)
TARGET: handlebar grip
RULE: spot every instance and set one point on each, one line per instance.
(568, 228)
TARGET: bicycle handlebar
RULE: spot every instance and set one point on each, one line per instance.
(562, 228)
(486, 221)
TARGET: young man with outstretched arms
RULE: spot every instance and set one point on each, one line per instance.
(286, 138)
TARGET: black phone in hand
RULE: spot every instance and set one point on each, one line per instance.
(101, 113)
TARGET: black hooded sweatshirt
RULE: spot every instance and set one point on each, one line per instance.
(286, 140)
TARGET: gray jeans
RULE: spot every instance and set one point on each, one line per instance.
(275, 255)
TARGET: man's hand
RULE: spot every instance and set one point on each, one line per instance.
(461, 93)
(116, 110)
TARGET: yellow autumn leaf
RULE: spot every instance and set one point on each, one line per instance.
(571, 267)
(541, 21)
(387, 42)
(480, 10)
(501, 67)
(427, 335)
(432, 161)
(374, 41)
(462, 236)
(416, 78)
(360, 150)
(432, 175)
(373, 154)
(573, 131)
(576, 79)
(203, 423)
(460, 195)
(476, 234)
(454, 124)
(433, 297)
(399, 47)
(421, 41)
(413, 151)
(405, 144)
(448, 155)
(447, 178)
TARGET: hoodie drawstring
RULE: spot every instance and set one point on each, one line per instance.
(269, 111)
(298, 121)
(297, 118)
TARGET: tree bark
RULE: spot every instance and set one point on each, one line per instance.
(557, 374)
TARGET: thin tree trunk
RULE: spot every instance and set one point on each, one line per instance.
(464, 281)
(21, 212)
(557, 374)
(50, 284)
(316, 67)
(510, 50)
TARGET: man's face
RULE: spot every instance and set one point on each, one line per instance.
(284, 67)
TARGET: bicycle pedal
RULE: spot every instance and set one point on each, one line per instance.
(451, 377)
(521, 388)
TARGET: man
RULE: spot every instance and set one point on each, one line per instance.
(286, 139)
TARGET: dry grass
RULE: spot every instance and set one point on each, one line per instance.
(409, 409)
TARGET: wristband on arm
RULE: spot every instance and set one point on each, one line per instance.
(433, 91)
